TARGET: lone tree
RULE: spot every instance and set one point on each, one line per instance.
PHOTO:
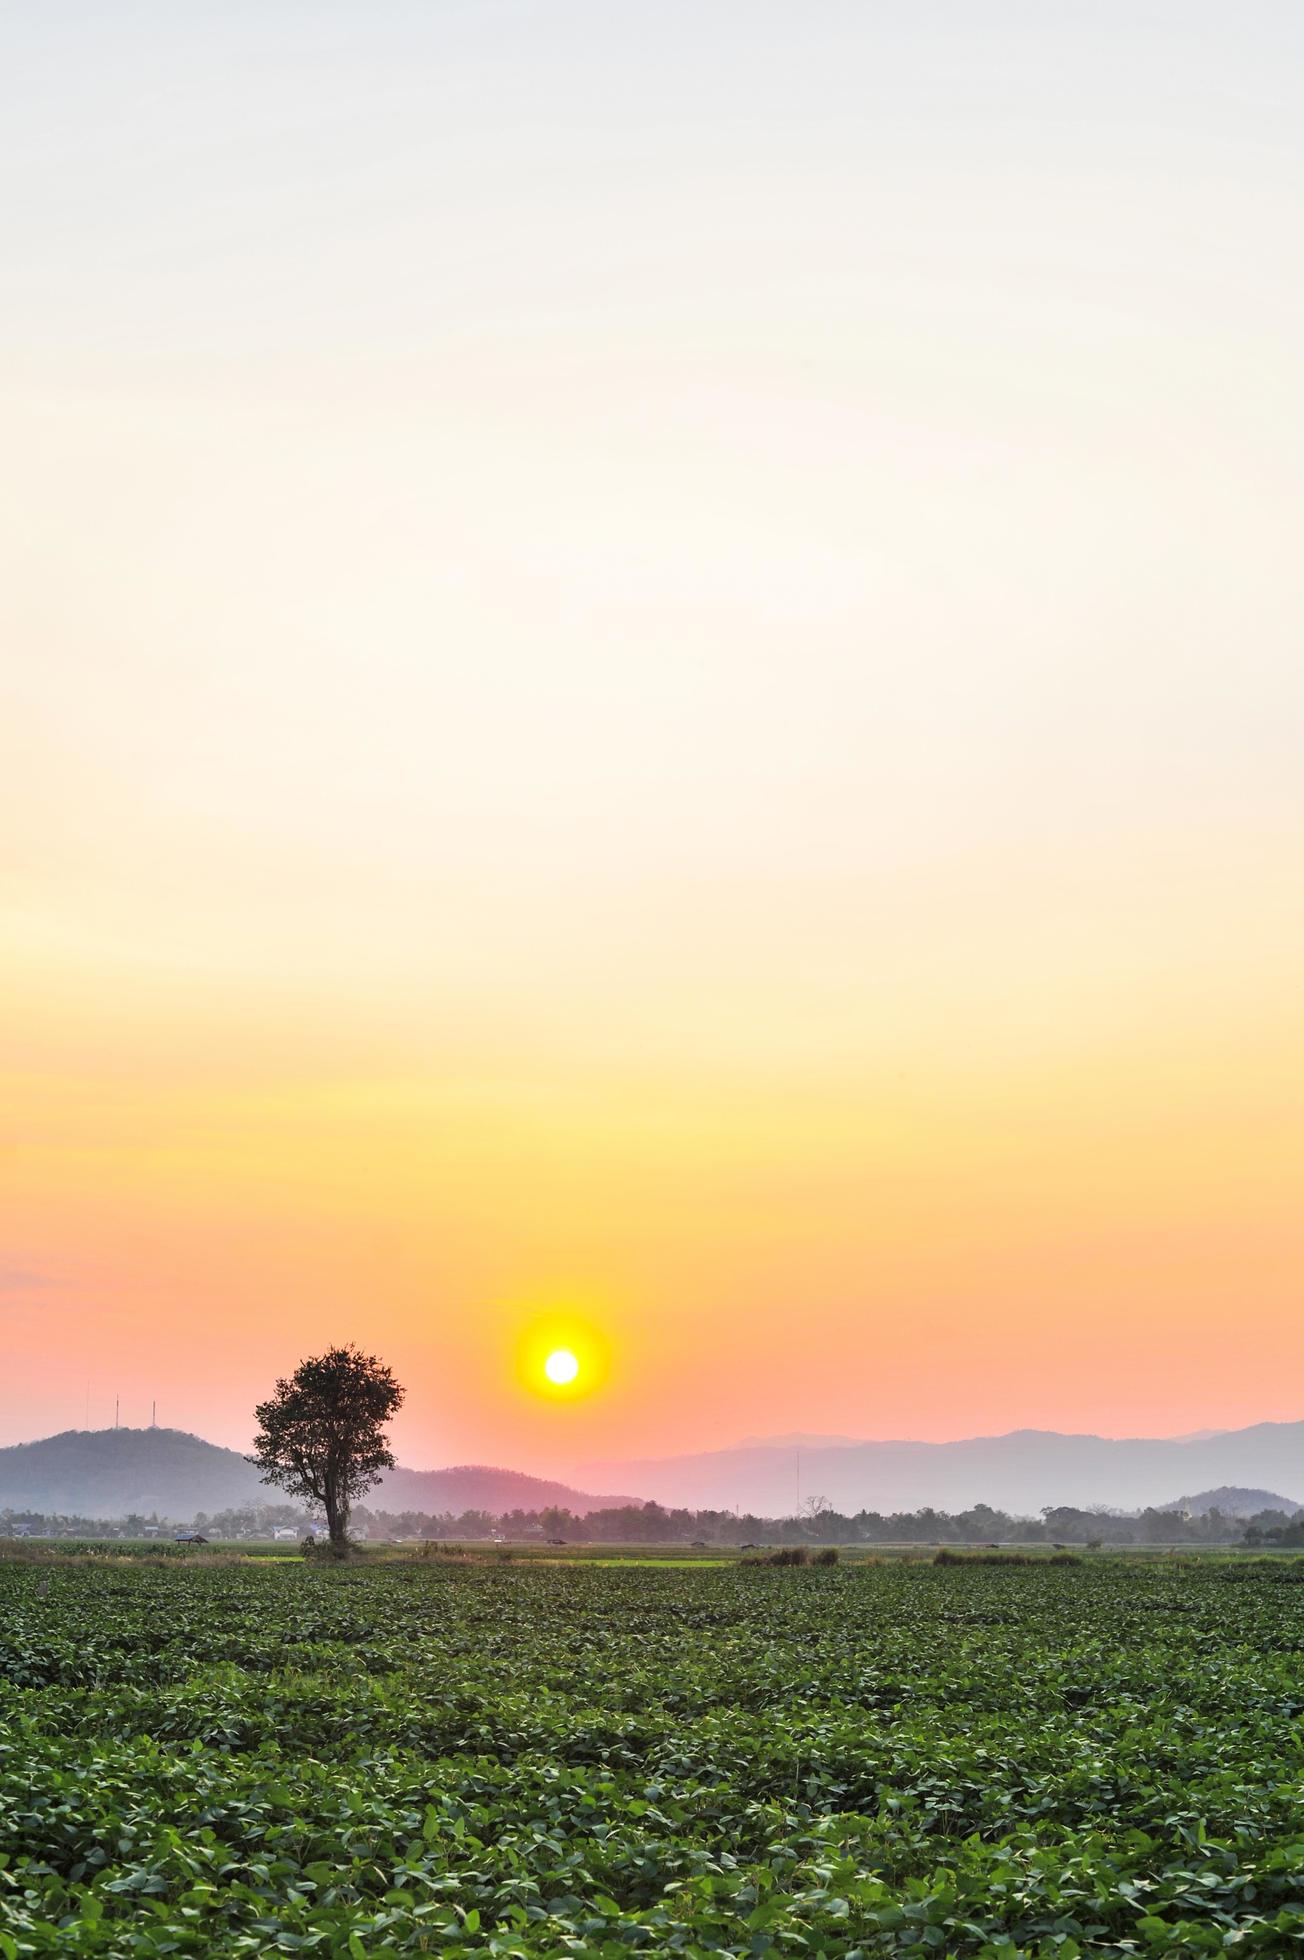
(322, 1437)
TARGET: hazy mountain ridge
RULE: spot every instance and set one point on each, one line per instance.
(482, 1487)
(111, 1473)
(1019, 1472)
(106, 1473)
(1234, 1501)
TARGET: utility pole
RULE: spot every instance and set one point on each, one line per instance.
(116, 1401)
(153, 1415)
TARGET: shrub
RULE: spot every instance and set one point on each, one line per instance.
(947, 1557)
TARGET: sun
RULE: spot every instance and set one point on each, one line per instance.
(561, 1367)
(562, 1354)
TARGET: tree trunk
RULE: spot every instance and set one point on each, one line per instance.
(337, 1520)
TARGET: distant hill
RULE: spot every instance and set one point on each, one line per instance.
(109, 1473)
(1234, 1501)
(478, 1487)
(1019, 1472)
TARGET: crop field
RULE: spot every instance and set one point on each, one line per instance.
(426, 1757)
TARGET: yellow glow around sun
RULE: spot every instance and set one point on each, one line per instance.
(562, 1355)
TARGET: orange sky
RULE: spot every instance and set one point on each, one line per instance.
(655, 676)
(895, 1239)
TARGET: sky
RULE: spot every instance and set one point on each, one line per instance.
(650, 680)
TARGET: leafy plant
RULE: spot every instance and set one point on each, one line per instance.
(463, 1757)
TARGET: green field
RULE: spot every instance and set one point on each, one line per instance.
(453, 1757)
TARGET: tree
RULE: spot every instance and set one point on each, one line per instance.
(815, 1513)
(321, 1437)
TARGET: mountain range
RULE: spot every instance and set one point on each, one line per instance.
(111, 1473)
(1019, 1472)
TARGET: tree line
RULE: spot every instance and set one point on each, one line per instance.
(822, 1525)
(633, 1524)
